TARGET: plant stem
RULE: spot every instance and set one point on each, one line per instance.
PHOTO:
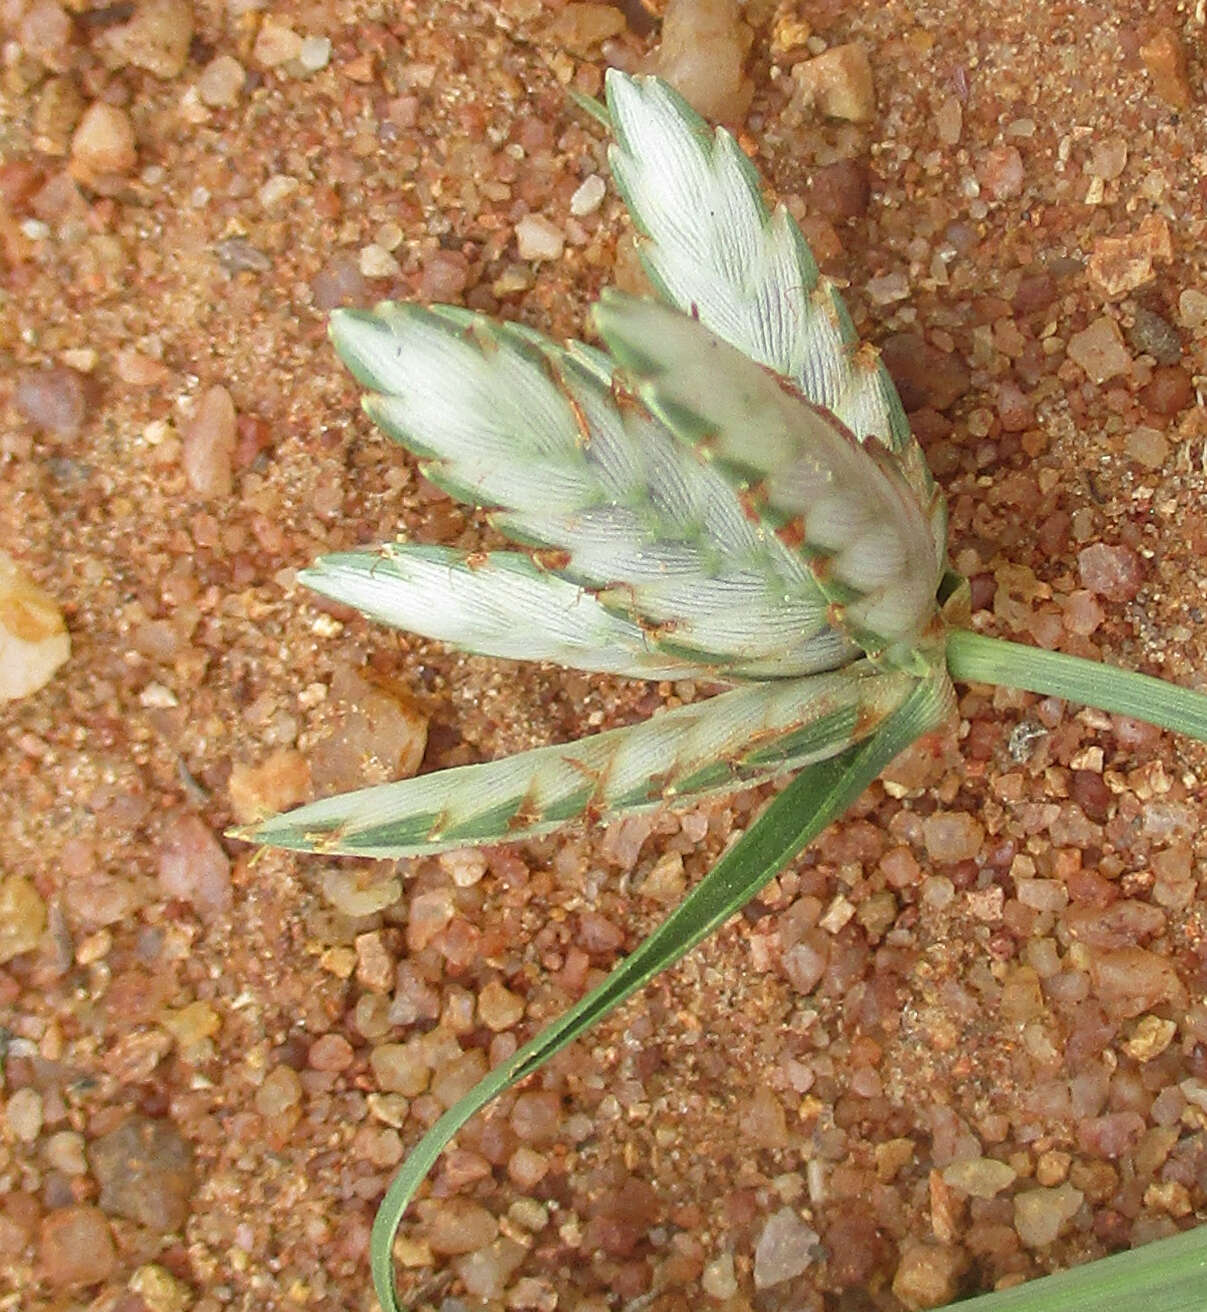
(1169, 1275)
(973, 657)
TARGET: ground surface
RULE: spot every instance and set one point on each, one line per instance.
(961, 1043)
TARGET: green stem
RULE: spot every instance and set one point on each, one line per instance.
(1169, 1275)
(817, 795)
(973, 657)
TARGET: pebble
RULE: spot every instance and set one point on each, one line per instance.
(278, 782)
(588, 196)
(498, 1008)
(1099, 350)
(314, 54)
(194, 868)
(1118, 265)
(377, 737)
(156, 38)
(208, 443)
(145, 1172)
(1165, 60)
(579, 27)
(1192, 308)
(839, 83)
(23, 1112)
(330, 1052)
(280, 1092)
(703, 49)
(841, 191)
(952, 836)
(1152, 334)
(338, 282)
(784, 1249)
(275, 44)
(33, 644)
(443, 275)
(718, 1279)
(949, 121)
(44, 33)
(928, 1275)
(377, 262)
(1115, 573)
(51, 399)
(357, 894)
(1039, 1214)
(160, 1290)
(926, 377)
(221, 82)
(981, 1177)
(400, 1068)
(1000, 172)
(537, 238)
(65, 1152)
(460, 1226)
(1170, 391)
(76, 1248)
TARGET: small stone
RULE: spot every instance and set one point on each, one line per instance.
(1099, 350)
(949, 121)
(103, 142)
(1108, 158)
(76, 1248)
(314, 53)
(926, 377)
(1170, 391)
(377, 262)
(1040, 1214)
(981, 1177)
(1115, 573)
(1121, 264)
(1165, 60)
(1150, 1038)
(338, 282)
(56, 115)
(221, 82)
(444, 275)
(1147, 447)
(33, 644)
(928, 1275)
(498, 1008)
(192, 1024)
(194, 868)
(466, 866)
(1192, 308)
(718, 1279)
(1000, 172)
(784, 1249)
(952, 836)
(1152, 334)
(588, 196)
(23, 1112)
(539, 239)
(280, 1092)
(888, 288)
(160, 1290)
(703, 50)
(841, 191)
(377, 736)
(839, 83)
(400, 1068)
(139, 370)
(145, 1172)
(51, 399)
(358, 893)
(156, 38)
(763, 1120)
(275, 44)
(330, 1052)
(65, 1152)
(44, 33)
(460, 1226)
(579, 27)
(666, 881)
(208, 443)
(280, 781)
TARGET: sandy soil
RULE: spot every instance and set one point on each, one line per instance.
(962, 1042)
